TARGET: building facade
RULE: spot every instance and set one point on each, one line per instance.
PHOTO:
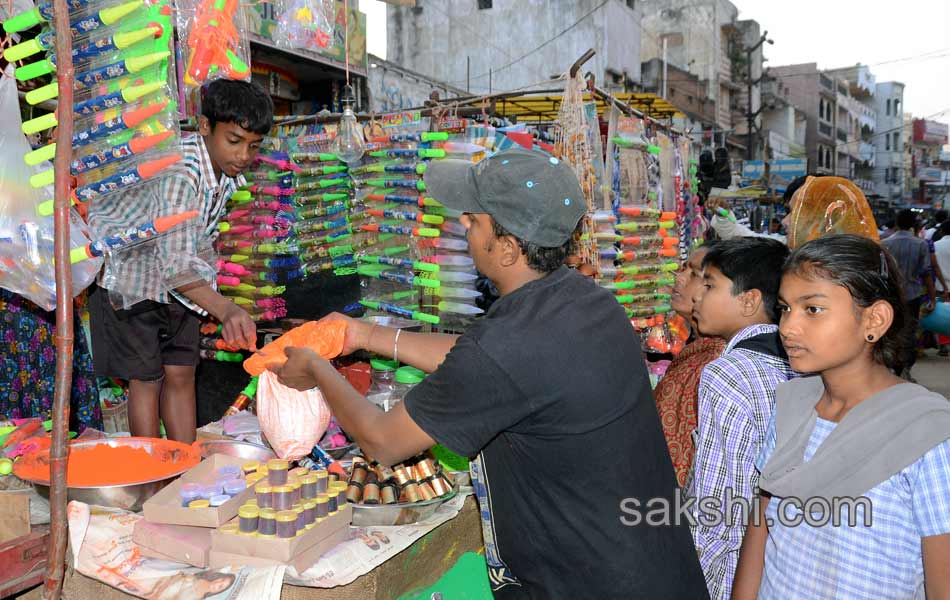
(485, 46)
(889, 171)
(860, 103)
(815, 94)
(929, 171)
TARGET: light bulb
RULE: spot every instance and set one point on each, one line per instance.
(350, 146)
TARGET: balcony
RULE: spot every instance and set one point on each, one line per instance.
(866, 153)
(825, 129)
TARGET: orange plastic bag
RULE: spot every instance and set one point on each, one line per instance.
(292, 421)
(323, 337)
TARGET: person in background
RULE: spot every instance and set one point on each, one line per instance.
(940, 217)
(676, 394)
(913, 259)
(549, 389)
(153, 342)
(775, 226)
(737, 302)
(726, 228)
(852, 430)
(942, 254)
(890, 228)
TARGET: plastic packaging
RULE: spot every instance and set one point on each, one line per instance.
(406, 379)
(293, 421)
(382, 382)
(234, 487)
(26, 240)
(306, 24)
(218, 500)
(189, 492)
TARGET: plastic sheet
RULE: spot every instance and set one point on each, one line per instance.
(26, 240)
(293, 421)
(306, 24)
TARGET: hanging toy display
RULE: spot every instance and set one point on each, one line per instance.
(304, 24)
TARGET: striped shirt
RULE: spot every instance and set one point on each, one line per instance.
(883, 561)
(913, 258)
(153, 269)
(736, 401)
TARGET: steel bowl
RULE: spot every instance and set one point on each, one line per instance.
(404, 513)
(129, 496)
(235, 448)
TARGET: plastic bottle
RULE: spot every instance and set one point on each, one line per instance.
(406, 379)
(382, 376)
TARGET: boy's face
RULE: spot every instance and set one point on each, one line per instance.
(716, 311)
(231, 147)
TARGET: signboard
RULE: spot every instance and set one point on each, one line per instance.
(781, 172)
(930, 132)
(929, 174)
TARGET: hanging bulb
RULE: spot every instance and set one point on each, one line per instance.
(350, 145)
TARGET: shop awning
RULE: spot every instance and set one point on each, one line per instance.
(545, 107)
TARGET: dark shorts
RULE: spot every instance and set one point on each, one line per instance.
(138, 342)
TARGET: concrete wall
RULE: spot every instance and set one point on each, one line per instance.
(392, 87)
(438, 38)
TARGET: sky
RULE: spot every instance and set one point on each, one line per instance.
(833, 33)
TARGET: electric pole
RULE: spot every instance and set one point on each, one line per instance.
(750, 115)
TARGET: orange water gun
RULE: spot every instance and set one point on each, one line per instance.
(213, 41)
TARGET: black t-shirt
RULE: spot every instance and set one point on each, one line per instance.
(551, 390)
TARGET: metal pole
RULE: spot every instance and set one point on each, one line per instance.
(53, 586)
(468, 74)
(489, 81)
(749, 117)
(665, 40)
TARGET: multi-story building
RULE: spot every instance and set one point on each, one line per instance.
(706, 39)
(929, 169)
(859, 103)
(889, 142)
(784, 124)
(488, 46)
(686, 92)
(815, 94)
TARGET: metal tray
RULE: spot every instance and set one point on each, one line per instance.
(130, 496)
(369, 515)
(235, 448)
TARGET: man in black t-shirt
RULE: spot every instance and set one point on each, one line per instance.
(548, 390)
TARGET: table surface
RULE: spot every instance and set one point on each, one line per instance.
(418, 566)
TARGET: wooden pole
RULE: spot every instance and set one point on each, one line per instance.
(64, 305)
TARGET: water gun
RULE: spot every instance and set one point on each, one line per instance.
(244, 399)
(407, 216)
(221, 355)
(271, 303)
(130, 236)
(314, 198)
(406, 313)
(629, 255)
(246, 290)
(636, 240)
(651, 282)
(212, 42)
(648, 226)
(409, 152)
(399, 262)
(414, 184)
(388, 196)
(213, 343)
(107, 73)
(400, 230)
(314, 157)
(392, 167)
(371, 271)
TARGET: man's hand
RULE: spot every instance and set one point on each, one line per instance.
(357, 332)
(238, 329)
(299, 372)
(928, 307)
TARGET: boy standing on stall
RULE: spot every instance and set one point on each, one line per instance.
(548, 389)
(145, 314)
(737, 303)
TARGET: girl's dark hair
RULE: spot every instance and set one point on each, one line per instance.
(866, 270)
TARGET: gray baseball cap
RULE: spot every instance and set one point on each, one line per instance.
(534, 196)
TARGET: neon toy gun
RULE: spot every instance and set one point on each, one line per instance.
(212, 41)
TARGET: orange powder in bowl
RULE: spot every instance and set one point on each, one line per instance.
(100, 464)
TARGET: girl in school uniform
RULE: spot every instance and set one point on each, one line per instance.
(850, 443)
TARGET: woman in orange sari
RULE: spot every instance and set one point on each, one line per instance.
(676, 394)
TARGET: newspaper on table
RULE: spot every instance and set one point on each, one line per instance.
(102, 548)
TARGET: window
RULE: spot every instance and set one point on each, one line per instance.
(887, 109)
(897, 107)
(632, 4)
(821, 109)
(897, 141)
(483, 4)
(887, 143)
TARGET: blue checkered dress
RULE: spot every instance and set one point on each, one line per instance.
(880, 562)
(736, 400)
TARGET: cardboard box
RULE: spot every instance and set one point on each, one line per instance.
(165, 506)
(228, 546)
(302, 562)
(14, 515)
(174, 542)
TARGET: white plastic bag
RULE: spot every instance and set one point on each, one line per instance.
(292, 421)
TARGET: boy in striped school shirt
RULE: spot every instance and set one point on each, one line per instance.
(144, 315)
(737, 303)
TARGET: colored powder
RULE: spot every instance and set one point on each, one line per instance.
(101, 464)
